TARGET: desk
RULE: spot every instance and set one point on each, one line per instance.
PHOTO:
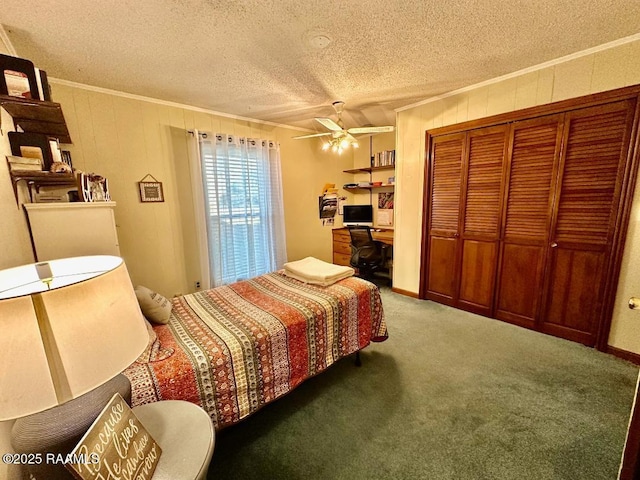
(342, 243)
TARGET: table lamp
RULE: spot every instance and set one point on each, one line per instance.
(68, 326)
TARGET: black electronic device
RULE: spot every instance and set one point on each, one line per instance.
(357, 215)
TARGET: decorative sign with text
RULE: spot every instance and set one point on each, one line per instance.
(116, 447)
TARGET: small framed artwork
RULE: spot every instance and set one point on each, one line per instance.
(385, 217)
(65, 155)
(18, 77)
(385, 201)
(150, 191)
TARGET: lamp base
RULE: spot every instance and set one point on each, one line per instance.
(59, 429)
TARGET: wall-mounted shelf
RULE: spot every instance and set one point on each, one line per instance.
(37, 116)
(370, 169)
(35, 180)
(372, 187)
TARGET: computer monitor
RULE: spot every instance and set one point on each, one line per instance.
(357, 215)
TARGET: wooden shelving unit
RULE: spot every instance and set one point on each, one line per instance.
(37, 116)
(370, 169)
(35, 180)
(372, 187)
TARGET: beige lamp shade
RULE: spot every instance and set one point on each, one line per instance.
(68, 326)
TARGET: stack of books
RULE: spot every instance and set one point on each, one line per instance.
(22, 164)
(386, 158)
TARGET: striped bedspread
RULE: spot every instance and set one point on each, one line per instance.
(235, 348)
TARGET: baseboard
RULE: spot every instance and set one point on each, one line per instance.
(406, 293)
(625, 355)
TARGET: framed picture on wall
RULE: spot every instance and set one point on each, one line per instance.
(150, 191)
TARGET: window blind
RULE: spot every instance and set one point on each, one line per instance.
(243, 204)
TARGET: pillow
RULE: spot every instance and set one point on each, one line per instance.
(154, 351)
(153, 305)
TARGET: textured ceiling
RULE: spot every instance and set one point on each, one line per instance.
(261, 59)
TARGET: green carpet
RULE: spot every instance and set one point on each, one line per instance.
(450, 395)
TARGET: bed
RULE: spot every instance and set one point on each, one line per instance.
(235, 348)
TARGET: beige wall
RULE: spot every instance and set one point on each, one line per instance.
(11, 248)
(606, 69)
(126, 138)
(362, 158)
(15, 243)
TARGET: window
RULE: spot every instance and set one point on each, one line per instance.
(243, 207)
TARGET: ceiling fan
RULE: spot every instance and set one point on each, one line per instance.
(342, 137)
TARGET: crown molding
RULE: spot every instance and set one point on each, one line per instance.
(4, 38)
(166, 103)
(540, 66)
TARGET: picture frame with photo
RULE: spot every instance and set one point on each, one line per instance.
(18, 77)
(31, 145)
(385, 200)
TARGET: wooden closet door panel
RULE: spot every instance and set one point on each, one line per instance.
(534, 152)
(446, 177)
(596, 143)
(520, 283)
(477, 275)
(482, 192)
(442, 269)
(573, 306)
(444, 202)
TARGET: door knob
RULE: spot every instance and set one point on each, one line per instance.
(554, 245)
(634, 303)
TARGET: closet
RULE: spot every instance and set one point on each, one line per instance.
(526, 214)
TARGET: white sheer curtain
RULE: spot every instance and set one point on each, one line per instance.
(244, 212)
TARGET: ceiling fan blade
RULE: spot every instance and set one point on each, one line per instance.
(314, 135)
(330, 124)
(357, 130)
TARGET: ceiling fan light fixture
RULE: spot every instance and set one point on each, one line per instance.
(340, 137)
(339, 143)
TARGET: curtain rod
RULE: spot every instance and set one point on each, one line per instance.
(191, 132)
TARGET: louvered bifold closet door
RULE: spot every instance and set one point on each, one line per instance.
(596, 144)
(532, 169)
(445, 176)
(482, 201)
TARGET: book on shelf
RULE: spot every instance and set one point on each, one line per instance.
(386, 158)
(17, 163)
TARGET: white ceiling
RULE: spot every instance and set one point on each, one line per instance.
(259, 59)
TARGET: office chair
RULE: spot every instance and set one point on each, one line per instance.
(367, 255)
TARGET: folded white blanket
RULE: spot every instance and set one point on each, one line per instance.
(317, 272)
